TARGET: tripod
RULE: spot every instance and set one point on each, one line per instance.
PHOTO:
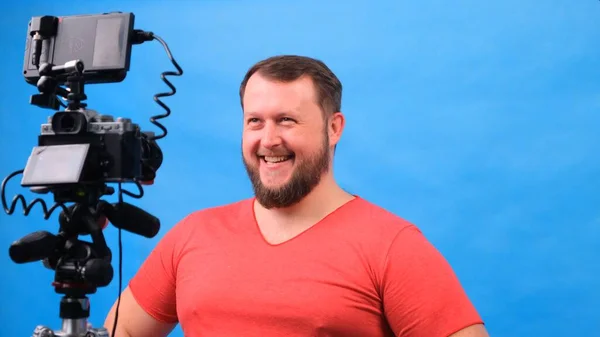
(78, 151)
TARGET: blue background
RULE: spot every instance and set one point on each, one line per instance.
(476, 120)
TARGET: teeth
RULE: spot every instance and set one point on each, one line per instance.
(275, 159)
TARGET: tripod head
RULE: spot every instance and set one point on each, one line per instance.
(83, 266)
(80, 266)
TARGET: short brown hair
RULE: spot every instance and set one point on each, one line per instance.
(287, 68)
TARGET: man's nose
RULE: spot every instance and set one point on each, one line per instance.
(271, 136)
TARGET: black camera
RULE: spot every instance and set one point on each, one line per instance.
(83, 148)
(80, 152)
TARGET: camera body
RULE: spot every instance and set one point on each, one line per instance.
(115, 146)
(82, 148)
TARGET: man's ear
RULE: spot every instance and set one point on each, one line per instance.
(335, 127)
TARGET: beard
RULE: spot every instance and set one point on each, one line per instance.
(306, 175)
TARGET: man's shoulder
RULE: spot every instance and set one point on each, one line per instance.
(372, 224)
(365, 210)
(196, 224)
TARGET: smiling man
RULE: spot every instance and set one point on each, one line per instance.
(302, 257)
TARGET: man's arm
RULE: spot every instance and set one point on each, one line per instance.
(148, 304)
(133, 321)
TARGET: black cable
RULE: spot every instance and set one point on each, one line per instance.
(135, 196)
(120, 270)
(163, 76)
(120, 244)
(27, 208)
(141, 36)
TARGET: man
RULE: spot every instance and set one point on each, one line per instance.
(302, 257)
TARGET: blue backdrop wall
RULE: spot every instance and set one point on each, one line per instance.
(476, 120)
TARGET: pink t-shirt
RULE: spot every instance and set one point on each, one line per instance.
(361, 271)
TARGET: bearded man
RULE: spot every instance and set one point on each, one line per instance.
(302, 257)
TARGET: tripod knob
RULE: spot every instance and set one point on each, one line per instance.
(99, 272)
(43, 331)
(100, 332)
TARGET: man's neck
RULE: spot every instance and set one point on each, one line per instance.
(322, 200)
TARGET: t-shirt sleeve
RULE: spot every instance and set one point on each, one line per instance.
(421, 294)
(153, 286)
